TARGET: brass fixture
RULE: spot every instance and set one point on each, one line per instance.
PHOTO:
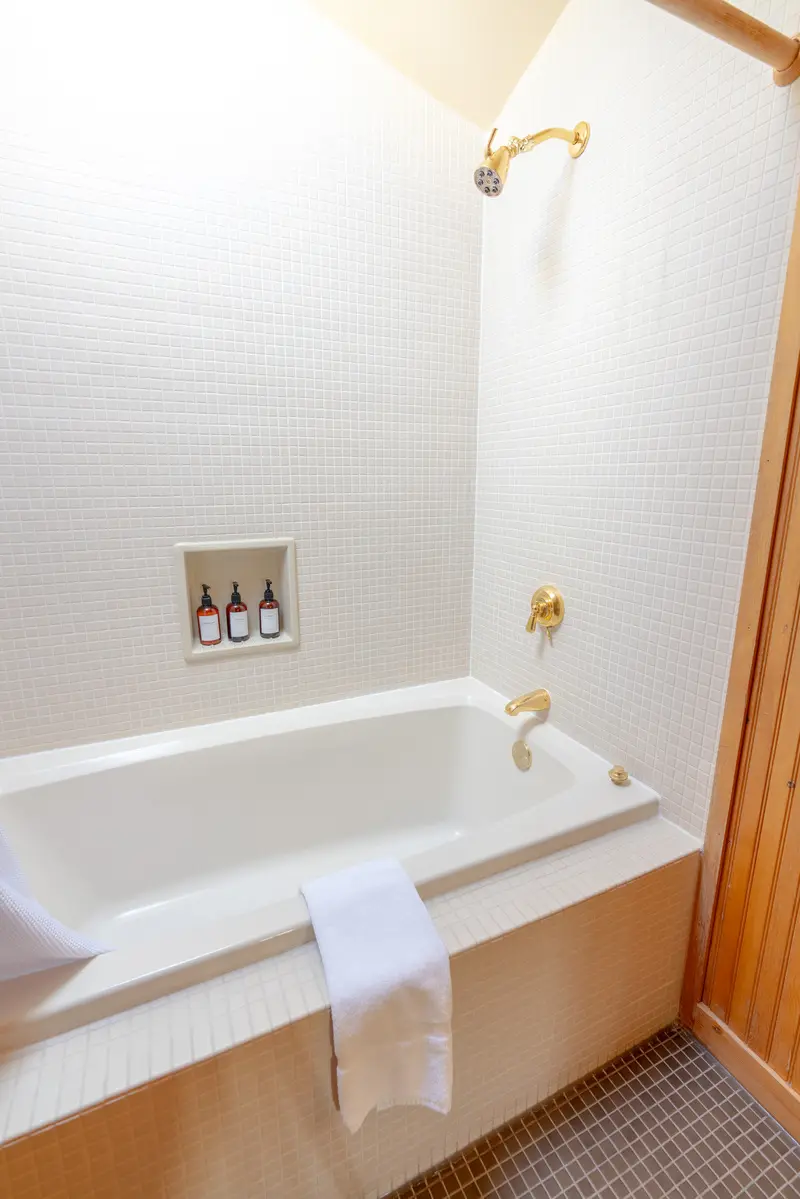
(522, 755)
(534, 701)
(491, 175)
(619, 775)
(547, 609)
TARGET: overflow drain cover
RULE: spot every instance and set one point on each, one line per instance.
(521, 755)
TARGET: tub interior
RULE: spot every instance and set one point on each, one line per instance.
(188, 837)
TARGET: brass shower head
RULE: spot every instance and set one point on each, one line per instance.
(491, 175)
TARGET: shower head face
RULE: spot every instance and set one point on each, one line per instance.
(488, 181)
(490, 177)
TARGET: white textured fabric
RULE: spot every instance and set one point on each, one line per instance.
(388, 976)
(30, 938)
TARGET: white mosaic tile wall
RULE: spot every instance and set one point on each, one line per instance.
(534, 1009)
(630, 304)
(238, 297)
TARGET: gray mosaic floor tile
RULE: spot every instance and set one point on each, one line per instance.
(666, 1121)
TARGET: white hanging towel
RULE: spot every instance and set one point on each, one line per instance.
(388, 976)
(30, 938)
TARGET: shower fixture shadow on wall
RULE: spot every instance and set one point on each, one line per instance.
(491, 175)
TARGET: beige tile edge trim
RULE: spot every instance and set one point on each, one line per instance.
(57, 1078)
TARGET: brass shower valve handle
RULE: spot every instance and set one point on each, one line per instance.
(541, 612)
(547, 609)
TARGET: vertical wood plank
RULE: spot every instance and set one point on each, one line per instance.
(776, 730)
(757, 819)
(733, 734)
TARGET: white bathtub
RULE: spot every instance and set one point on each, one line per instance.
(185, 850)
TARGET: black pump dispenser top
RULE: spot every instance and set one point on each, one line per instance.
(235, 597)
(268, 596)
(206, 601)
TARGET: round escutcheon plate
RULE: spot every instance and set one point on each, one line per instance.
(522, 755)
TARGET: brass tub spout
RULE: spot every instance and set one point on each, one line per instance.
(534, 701)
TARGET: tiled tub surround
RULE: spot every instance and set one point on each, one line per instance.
(185, 851)
(238, 298)
(557, 966)
(630, 304)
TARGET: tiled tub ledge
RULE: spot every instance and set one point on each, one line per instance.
(47, 1082)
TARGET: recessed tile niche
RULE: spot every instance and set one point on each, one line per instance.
(249, 563)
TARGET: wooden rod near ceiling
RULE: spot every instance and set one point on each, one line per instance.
(739, 29)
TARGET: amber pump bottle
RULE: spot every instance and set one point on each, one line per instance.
(208, 626)
(236, 613)
(269, 613)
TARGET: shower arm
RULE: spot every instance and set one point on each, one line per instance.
(521, 145)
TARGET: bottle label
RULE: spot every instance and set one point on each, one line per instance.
(209, 627)
(269, 620)
(238, 623)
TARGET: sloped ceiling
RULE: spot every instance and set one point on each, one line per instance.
(467, 53)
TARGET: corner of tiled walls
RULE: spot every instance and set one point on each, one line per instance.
(238, 297)
(629, 310)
